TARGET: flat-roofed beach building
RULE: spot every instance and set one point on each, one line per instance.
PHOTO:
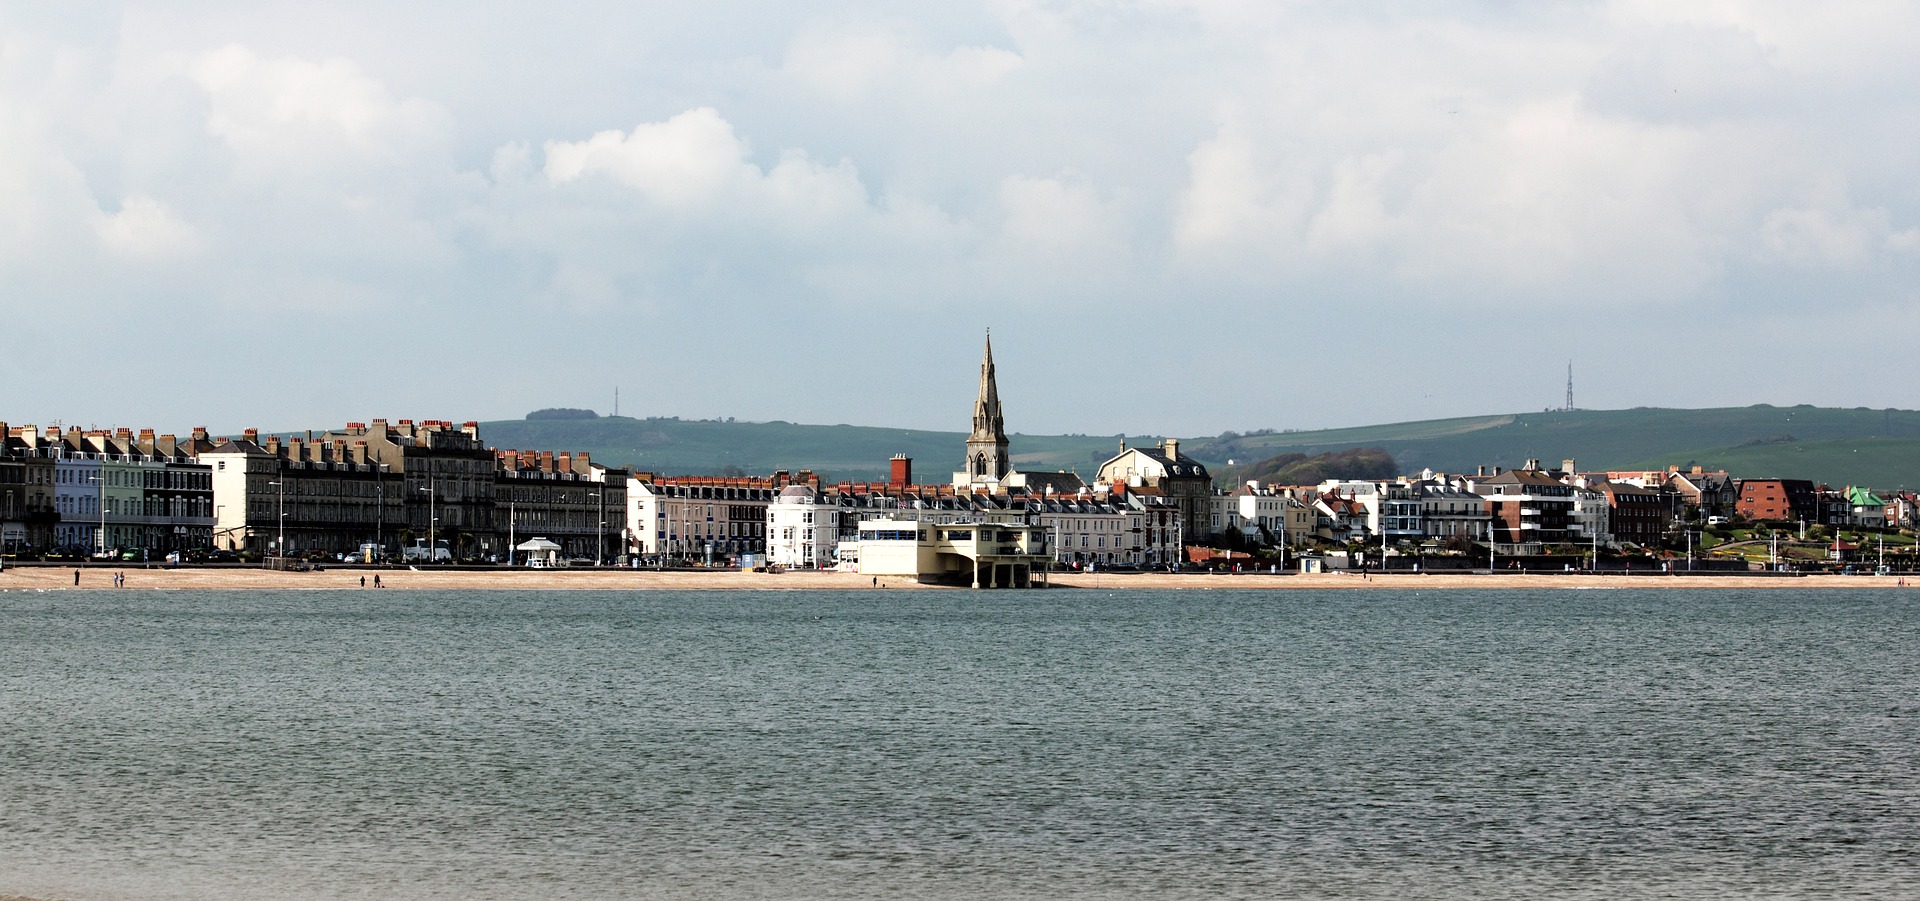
(980, 554)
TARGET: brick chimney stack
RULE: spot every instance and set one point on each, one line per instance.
(900, 474)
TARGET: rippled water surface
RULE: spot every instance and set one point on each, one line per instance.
(1078, 744)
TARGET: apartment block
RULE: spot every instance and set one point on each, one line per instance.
(1777, 499)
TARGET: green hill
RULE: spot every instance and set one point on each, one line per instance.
(838, 452)
(1880, 448)
(1876, 462)
(1859, 446)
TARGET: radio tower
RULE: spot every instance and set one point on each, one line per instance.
(1569, 407)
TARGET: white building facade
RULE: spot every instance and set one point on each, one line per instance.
(802, 529)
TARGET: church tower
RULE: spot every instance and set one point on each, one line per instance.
(987, 446)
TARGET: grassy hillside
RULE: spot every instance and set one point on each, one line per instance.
(1878, 462)
(1863, 446)
(676, 447)
(1860, 446)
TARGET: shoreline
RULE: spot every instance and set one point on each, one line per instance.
(51, 578)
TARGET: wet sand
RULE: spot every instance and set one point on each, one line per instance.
(48, 578)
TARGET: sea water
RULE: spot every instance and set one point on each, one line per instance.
(1047, 744)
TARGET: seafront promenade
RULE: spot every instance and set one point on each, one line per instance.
(41, 578)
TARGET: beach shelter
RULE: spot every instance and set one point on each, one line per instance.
(547, 552)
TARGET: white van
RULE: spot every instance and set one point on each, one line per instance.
(417, 553)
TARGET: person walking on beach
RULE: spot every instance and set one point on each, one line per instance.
(376, 580)
(363, 581)
(76, 578)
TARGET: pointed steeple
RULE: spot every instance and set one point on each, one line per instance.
(986, 409)
(987, 445)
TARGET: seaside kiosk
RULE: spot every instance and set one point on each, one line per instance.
(540, 553)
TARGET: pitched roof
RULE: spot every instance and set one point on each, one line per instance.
(1179, 466)
(238, 446)
(1864, 497)
(1522, 477)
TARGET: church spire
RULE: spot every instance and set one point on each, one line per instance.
(987, 445)
(986, 409)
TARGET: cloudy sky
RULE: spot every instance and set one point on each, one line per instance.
(1178, 216)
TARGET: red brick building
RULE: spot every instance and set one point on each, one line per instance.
(1777, 499)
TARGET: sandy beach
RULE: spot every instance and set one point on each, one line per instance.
(41, 578)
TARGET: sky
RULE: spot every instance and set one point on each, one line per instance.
(1177, 216)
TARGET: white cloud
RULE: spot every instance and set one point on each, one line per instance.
(1555, 204)
(1055, 215)
(144, 229)
(694, 164)
(1236, 200)
(1830, 236)
(849, 62)
(859, 161)
(291, 116)
(685, 161)
(1356, 213)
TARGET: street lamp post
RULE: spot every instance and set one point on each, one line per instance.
(1285, 507)
(599, 529)
(1594, 537)
(280, 500)
(433, 544)
(100, 501)
(1383, 533)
